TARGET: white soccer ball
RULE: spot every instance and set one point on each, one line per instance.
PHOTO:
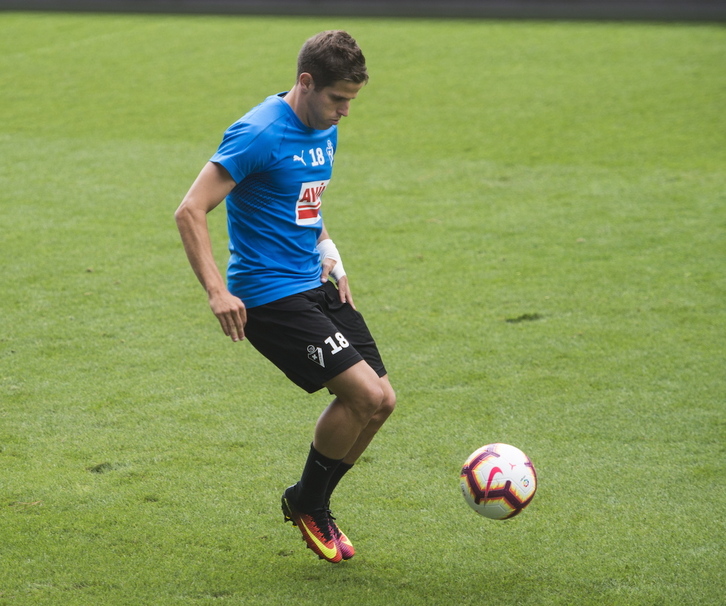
(498, 481)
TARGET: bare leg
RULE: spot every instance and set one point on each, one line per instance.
(377, 420)
(362, 404)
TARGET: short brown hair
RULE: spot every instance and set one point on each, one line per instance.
(331, 56)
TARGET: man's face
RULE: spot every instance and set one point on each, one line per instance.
(327, 106)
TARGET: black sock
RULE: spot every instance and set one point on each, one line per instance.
(312, 489)
(339, 472)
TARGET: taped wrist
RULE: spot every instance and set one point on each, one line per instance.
(328, 250)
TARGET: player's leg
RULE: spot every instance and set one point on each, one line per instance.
(363, 401)
(364, 438)
(349, 387)
(340, 422)
(347, 425)
(313, 352)
(300, 340)
(374, 424)
(359, 398)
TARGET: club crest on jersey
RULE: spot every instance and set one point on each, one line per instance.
(307, 209)
(316, 355)
(330, 151)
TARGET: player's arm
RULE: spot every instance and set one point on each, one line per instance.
(208, 190)
(333, 266)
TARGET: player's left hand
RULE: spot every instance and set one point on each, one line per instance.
(344, 292)
(327, 265)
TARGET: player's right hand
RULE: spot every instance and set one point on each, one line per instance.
(231, 313)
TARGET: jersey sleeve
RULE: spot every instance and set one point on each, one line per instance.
(244, 150)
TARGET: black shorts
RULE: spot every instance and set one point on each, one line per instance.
(312, 337)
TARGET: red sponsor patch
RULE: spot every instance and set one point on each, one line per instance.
(307, 210)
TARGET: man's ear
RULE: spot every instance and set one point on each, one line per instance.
(306, 82)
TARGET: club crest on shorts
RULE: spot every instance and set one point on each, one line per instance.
(316, 355)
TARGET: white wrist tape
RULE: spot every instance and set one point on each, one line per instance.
(328, 250)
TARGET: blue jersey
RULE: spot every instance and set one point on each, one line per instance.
(274, 217)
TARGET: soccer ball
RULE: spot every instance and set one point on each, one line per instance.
(498, 481)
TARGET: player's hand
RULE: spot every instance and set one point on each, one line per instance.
(231, 313)
(343, 289)
(327, 265)
(344, 292)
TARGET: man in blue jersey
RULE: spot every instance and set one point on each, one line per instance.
(272, 167)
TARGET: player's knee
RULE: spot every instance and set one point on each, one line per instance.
(384, 402)
(388, 404)
(364, 394)
(371, 400)
(364, 401)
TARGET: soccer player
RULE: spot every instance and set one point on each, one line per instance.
(272, 167)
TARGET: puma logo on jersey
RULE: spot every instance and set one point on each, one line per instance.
(300, 158)
(307, 209)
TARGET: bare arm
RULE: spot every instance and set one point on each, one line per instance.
(206, 193)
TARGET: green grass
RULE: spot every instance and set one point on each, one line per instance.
(567, 175)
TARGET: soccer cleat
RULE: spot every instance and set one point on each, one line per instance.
(346, 547)
(315, 527)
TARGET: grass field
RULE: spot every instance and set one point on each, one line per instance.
(533, 219)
